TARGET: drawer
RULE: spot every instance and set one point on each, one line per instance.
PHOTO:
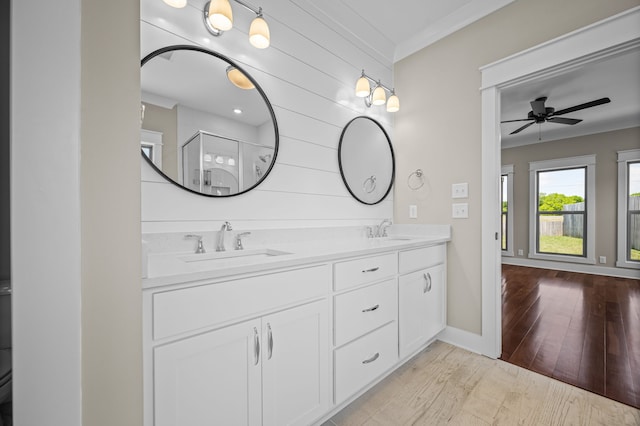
(412, 260)
(365, 359)
(183, 310)
(360, 311)
(354, 272)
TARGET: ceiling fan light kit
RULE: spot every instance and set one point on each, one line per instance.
(540, 113)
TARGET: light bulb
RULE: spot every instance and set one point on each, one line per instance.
(220, 15)
(259, 35)
(362, 87)
(393, 104)
(239, 79)
(379, 97)
(178, 4)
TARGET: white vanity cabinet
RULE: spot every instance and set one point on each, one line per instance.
(421, 297)
(269, 370)
(290, 345)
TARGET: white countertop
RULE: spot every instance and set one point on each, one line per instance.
(165, 269)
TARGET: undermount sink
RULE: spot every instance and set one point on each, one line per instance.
(233, 254)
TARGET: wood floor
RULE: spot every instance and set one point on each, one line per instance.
(446, 385)
(581, 329)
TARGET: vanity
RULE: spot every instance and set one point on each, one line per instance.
(287, 334)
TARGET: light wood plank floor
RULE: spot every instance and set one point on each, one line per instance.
(447, 385)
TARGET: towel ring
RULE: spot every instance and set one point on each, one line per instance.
(415, 180)
(369, 184)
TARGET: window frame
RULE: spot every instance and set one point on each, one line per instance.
(507, 170)
(624, 158)
(152, 139)
(589, 163)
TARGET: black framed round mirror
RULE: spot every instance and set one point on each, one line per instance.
(206, 124)
(366, 160)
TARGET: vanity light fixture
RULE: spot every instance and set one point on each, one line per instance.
(218, 17)
(239, 79)
(377, 96)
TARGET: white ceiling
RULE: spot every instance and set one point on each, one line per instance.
(392, 33)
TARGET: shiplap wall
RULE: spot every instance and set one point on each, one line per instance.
(308, 73)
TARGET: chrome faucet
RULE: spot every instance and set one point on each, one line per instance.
(382, 229)
(239, 236)
(225, 227)
(200, 248)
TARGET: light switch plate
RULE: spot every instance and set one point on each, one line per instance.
(413, 211)
(460, 190)
(460, 210)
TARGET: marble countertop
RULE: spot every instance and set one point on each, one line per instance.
(164, 269)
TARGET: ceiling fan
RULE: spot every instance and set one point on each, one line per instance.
(540, 113)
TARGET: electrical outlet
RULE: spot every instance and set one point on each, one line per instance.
(520, 252)
(603, 259)
(460, 190)
(413, 211)
(460, 210)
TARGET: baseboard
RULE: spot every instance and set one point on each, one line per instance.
(463, 339)
(573, 267)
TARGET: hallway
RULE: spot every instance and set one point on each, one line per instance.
(581, 329)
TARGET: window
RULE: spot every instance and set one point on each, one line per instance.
(147, 150)
(562, 200)
(629, 209)
(151, 145)
(506, 197)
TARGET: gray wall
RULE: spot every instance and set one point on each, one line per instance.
(5, 267)
(605, 147)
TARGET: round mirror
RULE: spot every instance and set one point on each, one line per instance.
(206, 125)
(366, 160)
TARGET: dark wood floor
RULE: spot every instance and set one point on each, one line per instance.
(581, 329)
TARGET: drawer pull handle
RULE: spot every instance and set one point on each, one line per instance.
(373, 358)
(427, 282)
(371, 270)
(256, 346)
(270, 339)
(373, 308)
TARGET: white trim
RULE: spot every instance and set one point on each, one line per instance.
(466, 15)
(153, 139)
(624, 158)
(587, 161)
(462, 339)
(507, 169)
(574, 267)
(609, 36)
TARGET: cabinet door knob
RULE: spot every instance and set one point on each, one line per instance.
(373, 358)
(270, 341)
(256, 346)
(427, 282)
(373, 308)
(371, 270)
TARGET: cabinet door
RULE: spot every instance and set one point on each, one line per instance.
(213, 378)
(295, 365)
(421, 307)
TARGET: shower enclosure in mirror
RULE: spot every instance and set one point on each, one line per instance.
(207, 126)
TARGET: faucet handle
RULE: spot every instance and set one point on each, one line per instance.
(200, 248)
(239, 240)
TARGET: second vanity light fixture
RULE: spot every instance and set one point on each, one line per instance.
(378, 95)
(218, 17)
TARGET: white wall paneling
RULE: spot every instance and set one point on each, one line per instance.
(308, 73)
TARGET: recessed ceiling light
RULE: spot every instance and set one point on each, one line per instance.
(237, 110)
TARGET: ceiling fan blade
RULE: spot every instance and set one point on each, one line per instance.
(582, 106)
(538, 107)
(522, 128)
(513, 121)
(563, 120)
